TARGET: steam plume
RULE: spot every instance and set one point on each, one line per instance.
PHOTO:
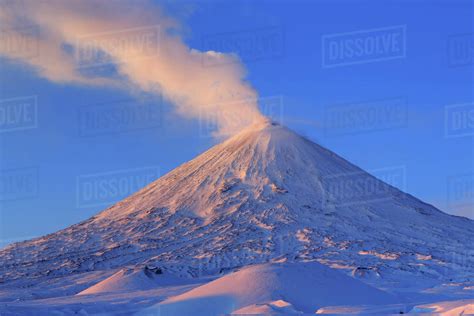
(139, 45)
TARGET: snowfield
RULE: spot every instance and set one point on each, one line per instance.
(266, 222)
(282, 287)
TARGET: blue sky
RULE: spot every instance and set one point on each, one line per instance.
(424, 83)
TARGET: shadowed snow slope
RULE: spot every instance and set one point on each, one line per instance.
(302, 287)
(264, 194)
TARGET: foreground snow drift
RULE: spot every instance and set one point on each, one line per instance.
(273, 287)
(445, 308)
(448, 308)
(132, 279)
(280, 288)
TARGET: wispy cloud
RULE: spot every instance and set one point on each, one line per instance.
(128, 45)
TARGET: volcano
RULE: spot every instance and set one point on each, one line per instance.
(265, 195)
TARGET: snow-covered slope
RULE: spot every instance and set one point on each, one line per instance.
(285, 287)
(266, 193)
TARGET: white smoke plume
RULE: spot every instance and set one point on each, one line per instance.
(127, 45)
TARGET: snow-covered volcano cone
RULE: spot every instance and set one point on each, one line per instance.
(264, 194)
